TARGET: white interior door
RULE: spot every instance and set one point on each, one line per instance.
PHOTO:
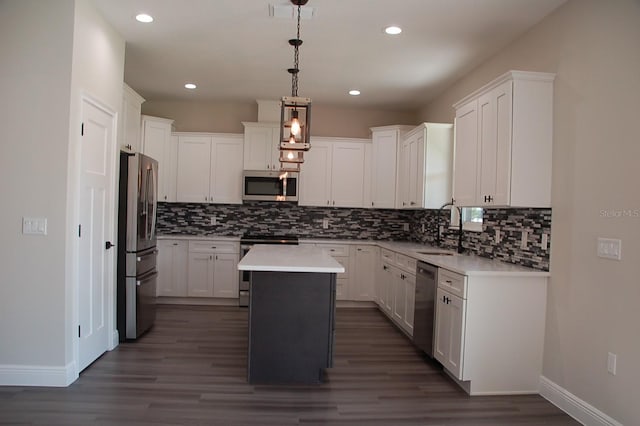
(95, 260)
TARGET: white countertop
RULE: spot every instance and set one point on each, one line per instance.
(198, 238)
(466, 264)
(285, 258)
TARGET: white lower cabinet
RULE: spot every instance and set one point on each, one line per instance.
(489, 331)
(341, 253)
(172, 268)
(213, 269)
(450, 316)
(363, 273)
(397, 287)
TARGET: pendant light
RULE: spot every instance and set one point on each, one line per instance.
(295, 112)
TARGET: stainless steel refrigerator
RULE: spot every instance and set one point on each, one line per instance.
(137, 252)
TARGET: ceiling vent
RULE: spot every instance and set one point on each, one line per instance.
(289, 11)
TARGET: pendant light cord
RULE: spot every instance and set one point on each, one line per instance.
(296, 56)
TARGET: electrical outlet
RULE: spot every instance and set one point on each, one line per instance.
(544, 242)
(325, 223)
(611, 363)
(497, 236)
(422, 228)
(405, 226)
(214, 220)
(610, 248)
(523, 241)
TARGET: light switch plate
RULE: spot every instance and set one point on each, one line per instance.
(325, 223)
(34, 225)
(610, 248)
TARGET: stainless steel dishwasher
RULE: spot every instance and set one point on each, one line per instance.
(424, 315)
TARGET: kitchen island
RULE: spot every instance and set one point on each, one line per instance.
(291, 313)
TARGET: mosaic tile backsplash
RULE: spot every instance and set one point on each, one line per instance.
(266, 218)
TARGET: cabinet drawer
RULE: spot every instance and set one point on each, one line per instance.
(452, 282)
(336, 249)
(213, 247)
(388, 256)
(407, 263)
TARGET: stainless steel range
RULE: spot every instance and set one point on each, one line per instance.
(248, 241)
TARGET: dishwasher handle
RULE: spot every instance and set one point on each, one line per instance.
(426, 270)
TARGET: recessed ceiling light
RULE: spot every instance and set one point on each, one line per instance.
(354, 92)
(143, 17)
(393, 30)
(190, 86)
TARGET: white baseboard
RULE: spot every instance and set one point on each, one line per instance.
(35, 375)
(580, 410)
(115, 340)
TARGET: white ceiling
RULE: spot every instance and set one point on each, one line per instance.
(235, 52)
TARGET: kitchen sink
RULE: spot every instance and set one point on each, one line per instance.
(436, 253)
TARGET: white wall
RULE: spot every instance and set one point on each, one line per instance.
(51, 51)
(594, 47)
(36, 47)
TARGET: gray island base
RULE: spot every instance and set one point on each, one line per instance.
(291, 313)
(291, 327)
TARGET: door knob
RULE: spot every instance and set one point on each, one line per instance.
(108, 245)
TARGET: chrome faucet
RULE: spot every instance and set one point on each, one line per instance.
(438, 239)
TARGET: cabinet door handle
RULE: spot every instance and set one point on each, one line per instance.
(372, 204)
(413, 203)
(334, 202)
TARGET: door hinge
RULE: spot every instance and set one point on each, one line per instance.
(79, 331)
(82, 129)
(79, 231)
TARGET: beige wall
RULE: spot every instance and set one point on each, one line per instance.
(228, 117)
(36, 40)
(594, 47)
(51, 52)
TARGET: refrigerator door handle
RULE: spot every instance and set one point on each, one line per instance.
(154, 201)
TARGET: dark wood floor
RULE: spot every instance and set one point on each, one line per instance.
(190, 369)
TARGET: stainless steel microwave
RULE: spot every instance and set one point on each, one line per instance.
(263, 185)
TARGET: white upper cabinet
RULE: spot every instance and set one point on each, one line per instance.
(129, 129)
(383, 165)
(209, 168)
(333, 173)
(503, 144)
(424, 167)
(261, 150)
(315, 176)
(158, 144)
